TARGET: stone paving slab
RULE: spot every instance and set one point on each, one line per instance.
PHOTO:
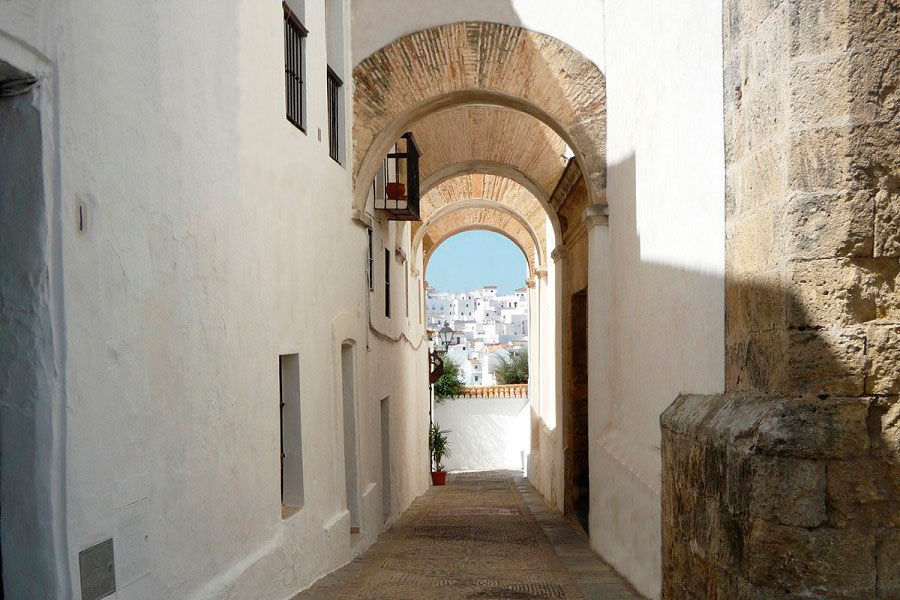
(486, 535)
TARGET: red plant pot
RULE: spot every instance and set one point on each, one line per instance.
(439, 477)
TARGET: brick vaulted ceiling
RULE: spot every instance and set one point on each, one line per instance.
(490, 135)
(489, 202)
(492, 108)
(487, 153)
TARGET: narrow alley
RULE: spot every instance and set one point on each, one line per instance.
(485, 535)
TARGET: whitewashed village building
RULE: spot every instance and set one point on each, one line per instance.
(213, 354)
(487, 326)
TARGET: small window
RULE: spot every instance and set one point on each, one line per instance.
(387, 283)
(371, 271)
(334, 115)
(294, 67)
(334, 60)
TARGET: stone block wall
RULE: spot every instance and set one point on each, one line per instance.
(788, 485)
(772, 497)
(813, 196)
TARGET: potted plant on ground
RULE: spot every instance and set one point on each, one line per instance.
(437, 444)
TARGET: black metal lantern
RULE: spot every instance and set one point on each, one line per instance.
(445, 335)
(396, 185)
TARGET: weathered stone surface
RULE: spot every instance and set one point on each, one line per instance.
(864, 492)
(820, 26)
(824, 361)
(754, 306)
(844, 292)
(888, 565)
(821, 562)
(761, 175)
(789, 491)
(820, 91)
(751, 509)
(813, 163)
(814, 428)
(828, 225)
(819, 159)
(883, 352)
(751, 242)
(884, 428)
(887, 223)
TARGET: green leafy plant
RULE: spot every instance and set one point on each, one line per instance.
(512, 368)
(438, 445)
(450, 383)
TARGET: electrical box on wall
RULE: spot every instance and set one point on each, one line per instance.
(98, 571)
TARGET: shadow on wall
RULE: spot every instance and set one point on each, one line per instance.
(667, 338)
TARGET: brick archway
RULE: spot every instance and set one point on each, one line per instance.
(480, 214)
(474, 63)
(429, 252)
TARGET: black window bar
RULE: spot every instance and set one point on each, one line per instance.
(294, 47)
(334, 115)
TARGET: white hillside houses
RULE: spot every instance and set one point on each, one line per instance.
(486, 326)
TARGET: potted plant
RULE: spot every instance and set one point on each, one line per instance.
(437, 444)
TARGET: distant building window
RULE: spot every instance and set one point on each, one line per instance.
(294, 62)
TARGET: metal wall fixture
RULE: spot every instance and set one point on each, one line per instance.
(396, 185)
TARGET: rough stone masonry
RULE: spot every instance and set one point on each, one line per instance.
(788, 485)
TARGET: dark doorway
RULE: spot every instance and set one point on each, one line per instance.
(28, 387)
(577, 471)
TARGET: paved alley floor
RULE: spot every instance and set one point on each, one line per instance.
(484, 535)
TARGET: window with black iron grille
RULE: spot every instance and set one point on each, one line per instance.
(294, 57)
(387, 283)
(334, 115)
(371, 272)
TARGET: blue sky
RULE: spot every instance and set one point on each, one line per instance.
(472, 259)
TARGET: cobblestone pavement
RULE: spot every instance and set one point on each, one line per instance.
(485, 535)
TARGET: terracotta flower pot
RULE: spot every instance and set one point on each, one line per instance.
(439, 477)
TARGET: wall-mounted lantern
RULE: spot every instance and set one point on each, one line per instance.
(396, 185)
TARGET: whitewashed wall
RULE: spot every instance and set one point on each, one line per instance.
(666, 201)
(379, 22)
(218, 236)
(485, 433)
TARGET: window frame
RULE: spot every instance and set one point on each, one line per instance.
(333, 89)
(294, 68)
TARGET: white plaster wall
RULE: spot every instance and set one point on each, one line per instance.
(377, 23)
(666, 203)
(485, 433)
(218, 237)
(545, 464)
